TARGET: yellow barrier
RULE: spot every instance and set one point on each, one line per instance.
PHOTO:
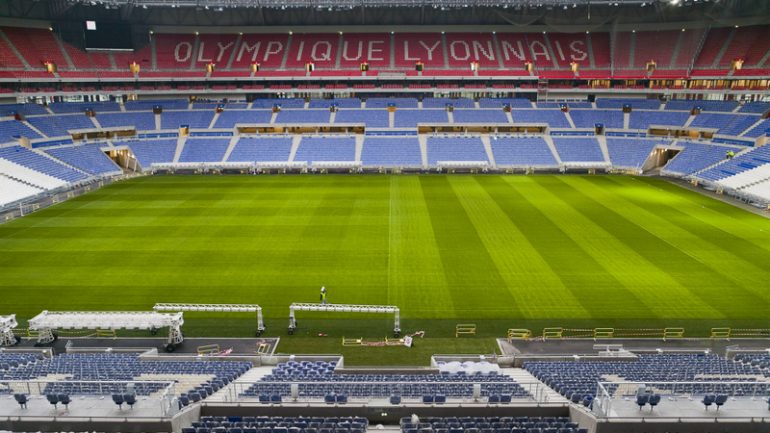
(604, 332)
(552, 333)
(519, 334)
(673, 333)
(262, 348)
(209, 349)
(465, 329)
(352, 341)
(750, 333)
(720, 332)
(106, 333)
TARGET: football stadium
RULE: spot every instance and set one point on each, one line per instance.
(410, 216)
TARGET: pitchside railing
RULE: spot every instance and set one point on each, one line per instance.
(670, 333)
(157, 398)
(682, 400)
(295, 392)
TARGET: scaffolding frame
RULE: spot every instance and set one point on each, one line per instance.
(47, 321)
(7, 325)
(344, 308)
(217, 308)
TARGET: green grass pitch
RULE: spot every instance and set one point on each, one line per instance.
(498, 251)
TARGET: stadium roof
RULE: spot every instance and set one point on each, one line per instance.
(517, 14)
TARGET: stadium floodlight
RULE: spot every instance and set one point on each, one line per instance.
(217, 308)
(7, 325)
(345, 308)
(48, 321)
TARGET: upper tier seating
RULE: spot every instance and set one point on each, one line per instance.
(684, 104)
(727, 124)
(391, 152)
(410, 118)
(645, 119)
(553, 118)
(385, 102)
(747, 161)
(568, 378)
(589, 118)
(636, 104)
(312, 149)
(24, 109)
(500, 102)
(250, 149)
(455, 149)
(204, 149)
(281, 102)
(479, 116)
(9, 129)
(303, 116)
(569, 104)
(340, 103)
(57, 126)
(40, 163)
(761, 129)
(80, 107)
(166, 104)
(522, 152)
(695, 157)
(467, 424)
(88, 158)
(578, 149)
(443, 102)
(177, 55)
(371, 118)
(144, 121)
(631, 152)
(757, 107)
(150, 151)
(191, 118)
(229, 118)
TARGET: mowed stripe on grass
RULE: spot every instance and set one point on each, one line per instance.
(514, 249)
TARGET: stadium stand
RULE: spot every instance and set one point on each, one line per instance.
(631, 153)
(303, 116)
(522, 152)
(317, 379)
(645, 119)
(589, 118)
(35, 161)
(455, 149)
(150, 151)
(229, 118)
(479, 116)
(191, 118)
(726, 124)
(391, 152)
(142, 121)
(13, 191)
(370, 118)
(578, 149)
(312, 149)
(553, 118)
(88, 158)
(204, 150)
(249, 149)
(57, 126)
(580, 378)
(11, 129)
(741, 163)
(695, 157)
(410, 118)
(519, 424)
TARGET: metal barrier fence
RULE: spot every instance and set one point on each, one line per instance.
(681, 400)
(159, 393)
(296, 392)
